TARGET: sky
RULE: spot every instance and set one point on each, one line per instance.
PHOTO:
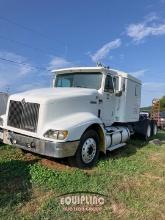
(40, 35)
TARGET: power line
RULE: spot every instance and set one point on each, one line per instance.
(23, 27)
(24, 64)
(26, 28)
(25, 45)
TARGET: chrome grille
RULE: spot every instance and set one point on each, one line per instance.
(23, 115)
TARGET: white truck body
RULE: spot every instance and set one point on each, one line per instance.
(35, 118)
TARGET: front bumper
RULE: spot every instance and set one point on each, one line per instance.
(43, 147)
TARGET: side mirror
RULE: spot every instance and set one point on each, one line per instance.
(118, 93)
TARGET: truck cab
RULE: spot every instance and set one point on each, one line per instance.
(119, 93)
(88, 110)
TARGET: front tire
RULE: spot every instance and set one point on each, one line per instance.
(88, 150)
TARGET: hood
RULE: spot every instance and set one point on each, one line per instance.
(48, 94)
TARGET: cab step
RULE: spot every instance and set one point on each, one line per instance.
(111, 148)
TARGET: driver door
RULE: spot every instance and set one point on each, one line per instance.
(108, 104)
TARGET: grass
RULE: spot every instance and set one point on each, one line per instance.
(132, 178)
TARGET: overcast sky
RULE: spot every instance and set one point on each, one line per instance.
(128, 35)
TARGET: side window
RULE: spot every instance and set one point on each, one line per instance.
(137, 90)
(109, 84)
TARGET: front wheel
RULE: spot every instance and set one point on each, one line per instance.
(88, 150)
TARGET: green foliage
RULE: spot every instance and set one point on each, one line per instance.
(162, 103)
(145, 109)
(64, 181)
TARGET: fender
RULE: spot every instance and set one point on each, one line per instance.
(2, 120)
(76, 124)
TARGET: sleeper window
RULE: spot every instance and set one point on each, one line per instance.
(137, 90)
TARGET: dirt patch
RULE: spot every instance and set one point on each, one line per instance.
(56, 165)
(29, 157)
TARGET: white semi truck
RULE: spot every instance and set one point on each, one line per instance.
(88, 110)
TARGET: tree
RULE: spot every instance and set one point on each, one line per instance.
(162, 104)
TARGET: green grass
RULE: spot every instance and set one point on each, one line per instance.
(132, 178)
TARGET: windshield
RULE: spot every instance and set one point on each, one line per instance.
(90, 80)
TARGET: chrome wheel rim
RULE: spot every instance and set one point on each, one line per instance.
(88, 150)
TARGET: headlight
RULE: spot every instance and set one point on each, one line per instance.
(56, 134)
(1, 121)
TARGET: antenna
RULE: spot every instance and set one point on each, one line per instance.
(99, 64)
